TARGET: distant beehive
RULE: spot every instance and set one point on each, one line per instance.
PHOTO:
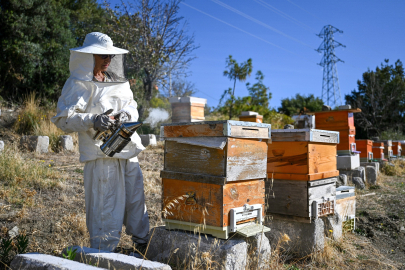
(187, 109)
(397, 148)
(249, 116)
(366, 149)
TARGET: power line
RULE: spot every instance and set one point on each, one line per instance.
(259, 22)
(285, 15)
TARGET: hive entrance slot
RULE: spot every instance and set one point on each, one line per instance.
(325, 136)
(253, 129)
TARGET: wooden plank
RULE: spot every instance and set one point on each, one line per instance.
(309, 135)
(197, 111)
(321, 158)
(346, 207)
(204, 204)
(334, 119)
(251, 118)
(345, 141)
(290, 136)
(322, 182)
(287, 157)
(201, 178)
(209, 130)
(303, 177)
(241, 193)
(246, 159)
(290, 198)
(188, 158)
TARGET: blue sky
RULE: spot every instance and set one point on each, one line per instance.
(280, 37)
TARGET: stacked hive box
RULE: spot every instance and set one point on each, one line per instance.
(378, 151)
(187, 109)
(213, 177)
(346, 206)
(366, 150)
(302, 166)
(250, 116)
(343, 122)
(397, 148)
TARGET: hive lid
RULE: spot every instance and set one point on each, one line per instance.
(349, 111)
(252, 230)
(308, 135)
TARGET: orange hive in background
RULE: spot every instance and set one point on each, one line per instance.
(250, 116)
(397, 148)
(378, 150)
(366, 149)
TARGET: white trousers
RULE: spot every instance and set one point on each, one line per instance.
(114, 196)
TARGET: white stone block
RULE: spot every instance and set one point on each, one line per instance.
(110, 260)
(305, 238)
(184, 246)
(1, 146)
(358, 172)
(187, 100)
(66, 142)
(148, 139)
(46, 262)
(348, 162)
(37, 144)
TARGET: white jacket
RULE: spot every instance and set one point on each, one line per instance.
(82, 99)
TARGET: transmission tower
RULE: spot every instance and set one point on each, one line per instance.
(330, 83)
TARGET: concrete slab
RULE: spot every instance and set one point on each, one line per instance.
(305, 238)
(341, 180)
(374, 164)
(371, 175)
(110, 260)
(37, 144)
(204, 251)
(46, 262)
(66, 142)
(358, 182)
(348, 162)
(333, 226)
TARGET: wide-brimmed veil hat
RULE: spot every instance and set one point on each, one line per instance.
(98, 43)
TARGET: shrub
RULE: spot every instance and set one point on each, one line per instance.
(10, 247)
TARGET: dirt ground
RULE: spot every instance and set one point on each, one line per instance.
(56, 218)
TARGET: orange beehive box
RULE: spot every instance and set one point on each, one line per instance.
(378, 150)
(366, 149)
(251, 118)
(194, 201)
(397, 149)
(302, 154)
(347, 138)
(187, 109)
(335, 120)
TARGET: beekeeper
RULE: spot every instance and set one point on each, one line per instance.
(114, 191)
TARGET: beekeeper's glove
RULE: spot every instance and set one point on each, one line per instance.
(102, 122)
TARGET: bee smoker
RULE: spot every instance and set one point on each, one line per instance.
(117, 136)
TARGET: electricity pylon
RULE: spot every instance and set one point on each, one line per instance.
(330, 83)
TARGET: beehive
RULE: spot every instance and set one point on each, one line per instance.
(302, 154)
(378, 150)
(187, 109)
(346, 206)
(300, 200)
(388, 152)
(341, 121)
(397, 148)
(218, 168)
(249, 116)
(206, 200)
(366, 149)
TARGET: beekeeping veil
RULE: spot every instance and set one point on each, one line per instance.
(83, 97)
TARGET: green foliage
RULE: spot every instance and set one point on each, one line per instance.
(70, 254)
(300, 104)
(380, 95)
(35, 37)
(10, 247)
(235, 72)
(391, 134)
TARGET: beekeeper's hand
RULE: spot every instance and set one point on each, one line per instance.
(102, 122)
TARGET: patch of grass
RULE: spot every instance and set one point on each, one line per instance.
(79, 170)
(20, 177)
(11, 246)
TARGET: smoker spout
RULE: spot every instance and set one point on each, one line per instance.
(132, 126)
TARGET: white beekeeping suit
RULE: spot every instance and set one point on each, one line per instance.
(114, 192)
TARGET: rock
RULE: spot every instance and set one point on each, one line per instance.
(333, 226)
(326, 108)
(148, 139)
(188, 248)
(376, 165)
(259, 251)
(66, 142)
(371, 175)
(301, 239)
(342, 180)
(358, 182)
(357, 172)
(46, 262)
(13, 232)
(288, 126)
(38, 144)
(1, 146)
(110, 260)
